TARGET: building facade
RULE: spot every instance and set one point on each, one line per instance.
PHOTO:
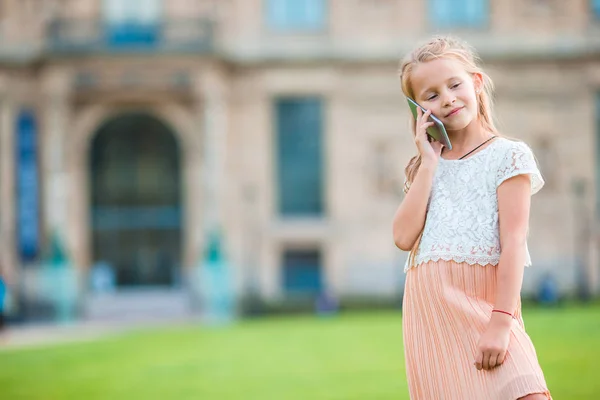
(131, 130)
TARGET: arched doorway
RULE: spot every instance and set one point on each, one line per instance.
(135, 181)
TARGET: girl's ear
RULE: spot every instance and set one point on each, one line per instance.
(477, 82)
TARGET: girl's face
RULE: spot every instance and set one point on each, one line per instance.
(444, 87)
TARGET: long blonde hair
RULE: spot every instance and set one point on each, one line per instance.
(452, 48)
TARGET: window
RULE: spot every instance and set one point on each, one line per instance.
(302, 272)
(296, 15)
(458, 13)
(132, 22)
(595, 7)
(27, 185)
(299, 156)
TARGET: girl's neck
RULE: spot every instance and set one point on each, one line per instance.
(466, 139)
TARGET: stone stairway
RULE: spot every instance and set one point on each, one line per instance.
(140, 304)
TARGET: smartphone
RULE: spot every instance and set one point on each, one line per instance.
(437, 131)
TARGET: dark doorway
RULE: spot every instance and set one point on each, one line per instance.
(136, 200)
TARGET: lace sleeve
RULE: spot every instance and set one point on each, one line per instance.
(519, 160)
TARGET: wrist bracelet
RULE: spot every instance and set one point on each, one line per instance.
(503, 312)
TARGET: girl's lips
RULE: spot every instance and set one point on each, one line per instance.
(454, 112)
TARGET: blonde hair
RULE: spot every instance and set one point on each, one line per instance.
(450, 48)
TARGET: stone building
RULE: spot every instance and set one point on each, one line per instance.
(131, 129)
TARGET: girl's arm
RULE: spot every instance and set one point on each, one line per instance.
(514, 199)
(410, 215)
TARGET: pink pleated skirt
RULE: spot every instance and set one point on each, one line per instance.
(446, 308)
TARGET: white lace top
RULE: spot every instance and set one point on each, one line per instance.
(462, 215)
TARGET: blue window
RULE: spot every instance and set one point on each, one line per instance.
(458, 13)
(299, 156)
(27, 185)
(132, 22)
(296, 15)
(302, 272)
(596, 7)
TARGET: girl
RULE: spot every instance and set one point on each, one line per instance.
(465, 221)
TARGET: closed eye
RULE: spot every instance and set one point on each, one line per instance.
(455, 86)
(433, 96)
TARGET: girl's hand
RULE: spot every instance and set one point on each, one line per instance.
(493, 344)
(429, 149)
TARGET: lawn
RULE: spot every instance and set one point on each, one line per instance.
(350, 357)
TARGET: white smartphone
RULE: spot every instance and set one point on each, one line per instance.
(437, 131)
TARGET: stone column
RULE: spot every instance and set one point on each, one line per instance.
(55, 122)
(214, 278)
(61, 283)
(214, 153)
(8, 257)
(193, 201)
(212, 128)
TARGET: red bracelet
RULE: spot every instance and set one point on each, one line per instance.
(503, 312)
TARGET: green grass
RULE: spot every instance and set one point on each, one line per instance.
(354, 356)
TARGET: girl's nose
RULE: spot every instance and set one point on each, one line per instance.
(449, 100)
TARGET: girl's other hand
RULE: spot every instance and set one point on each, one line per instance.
(493, 345)
(430, 150)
